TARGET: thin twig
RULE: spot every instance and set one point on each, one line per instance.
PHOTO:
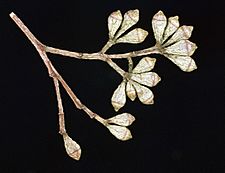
(109, 44)
(62, 129)
(130, 64)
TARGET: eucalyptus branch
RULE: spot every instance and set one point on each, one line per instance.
(171, 41)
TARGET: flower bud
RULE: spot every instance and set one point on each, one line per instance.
(124, 119)
(72, 148)
(118, 99)
(121, 133)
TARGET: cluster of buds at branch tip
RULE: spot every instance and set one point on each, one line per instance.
(118, 25)
(135, 84)
(173, 41)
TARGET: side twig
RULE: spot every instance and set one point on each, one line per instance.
(102, 56)
(62, 129)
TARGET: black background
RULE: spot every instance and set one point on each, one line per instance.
(183, 132)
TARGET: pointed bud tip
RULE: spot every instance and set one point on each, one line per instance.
(75, 155)
(160, 12)
(136, 11)
(132, 98)
(149, 102)
(176, 17)
(159, 79)
(116, 106)
(128, 137)
(194, 67)
(116, 109)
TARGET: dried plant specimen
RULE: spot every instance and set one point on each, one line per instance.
(171, 42)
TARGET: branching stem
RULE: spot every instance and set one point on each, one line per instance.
(43, 49)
